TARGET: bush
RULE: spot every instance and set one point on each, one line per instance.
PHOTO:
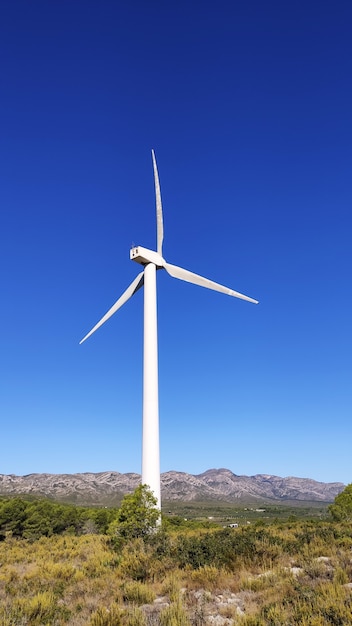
(137, 593)
(341, 510)
(174, 615)
(137, 517)
(107, 617)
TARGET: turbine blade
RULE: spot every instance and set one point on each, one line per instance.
(159, 208)
(130, 291)
(190, 277)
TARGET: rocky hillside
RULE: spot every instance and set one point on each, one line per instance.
(222, 484)
(214, 484)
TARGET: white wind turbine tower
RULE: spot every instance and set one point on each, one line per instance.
(152, 261)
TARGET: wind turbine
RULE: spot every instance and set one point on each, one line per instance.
(152, 261)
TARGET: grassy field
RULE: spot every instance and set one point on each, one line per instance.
(271, 572)
(226, 513)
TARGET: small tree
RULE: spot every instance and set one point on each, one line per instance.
(342, 507)
(137, 516)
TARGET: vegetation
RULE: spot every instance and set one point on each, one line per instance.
(136, 516)
(63, 565)
(32, 519)
(225, 512)
(342, 507)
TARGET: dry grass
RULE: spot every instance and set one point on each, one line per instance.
(298, 575)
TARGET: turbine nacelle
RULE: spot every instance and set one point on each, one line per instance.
(144, 256)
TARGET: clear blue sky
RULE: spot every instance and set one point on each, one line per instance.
(248, 107)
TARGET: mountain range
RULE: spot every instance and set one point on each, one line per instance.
(222, 485)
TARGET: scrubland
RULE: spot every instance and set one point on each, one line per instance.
(292, 573)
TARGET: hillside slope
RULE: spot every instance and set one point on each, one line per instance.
(214, 484)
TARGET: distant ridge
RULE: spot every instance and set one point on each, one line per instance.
(220, 485)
